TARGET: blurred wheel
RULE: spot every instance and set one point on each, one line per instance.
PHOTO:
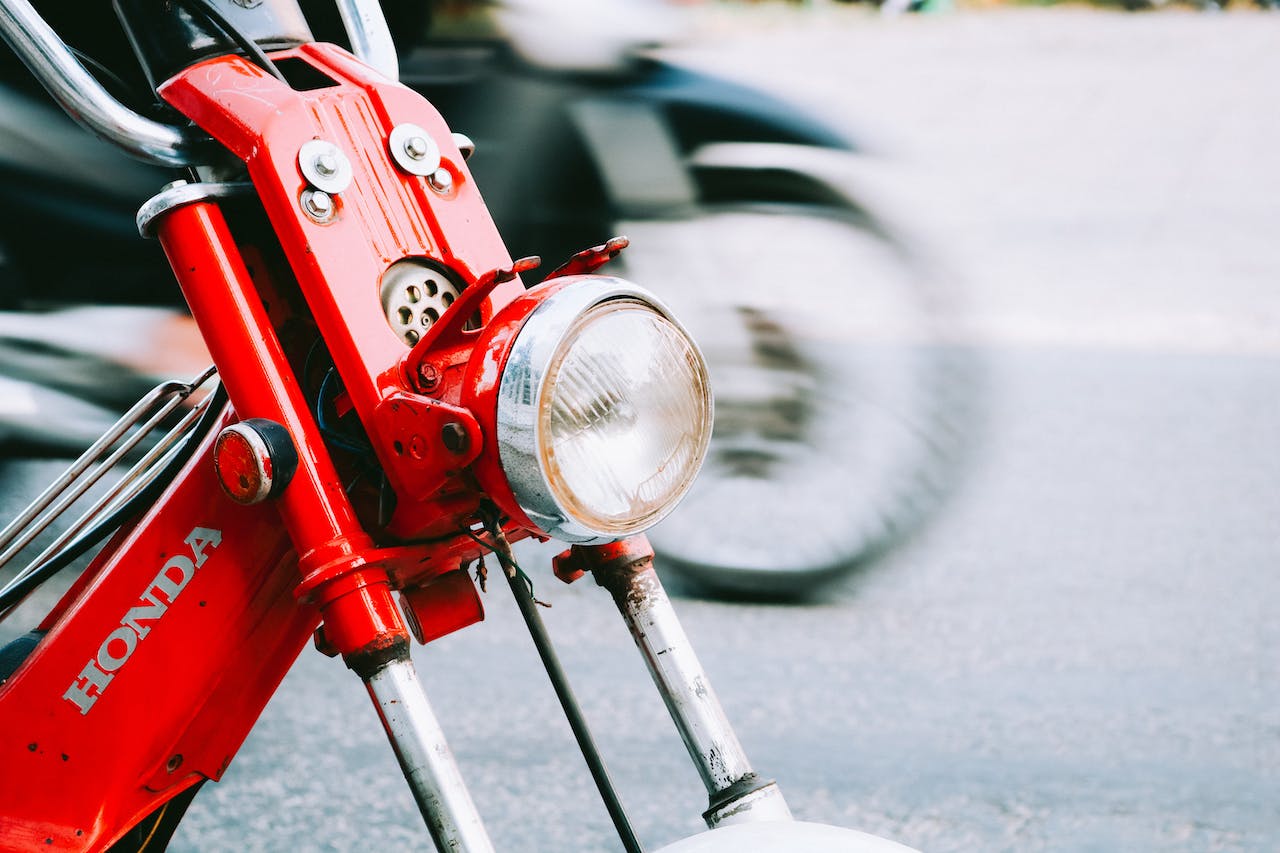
(841, 411)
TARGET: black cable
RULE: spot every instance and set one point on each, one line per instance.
(523, 591)
(125, 93)
(109, 524)
(211, 14)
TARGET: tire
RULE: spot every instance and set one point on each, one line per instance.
(841, 412)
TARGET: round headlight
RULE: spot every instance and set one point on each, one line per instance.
(604, 412)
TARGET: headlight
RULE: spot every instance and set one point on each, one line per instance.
(603, 411)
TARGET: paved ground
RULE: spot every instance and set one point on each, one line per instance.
(1082, 654)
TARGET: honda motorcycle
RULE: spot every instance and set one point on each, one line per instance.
(334, 477)
(842, 412)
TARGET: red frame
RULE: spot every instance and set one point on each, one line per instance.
(180, 631)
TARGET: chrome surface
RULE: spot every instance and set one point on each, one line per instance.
(325, 166)
(425, 758)
(84, 98)
(466, 146)
(441, 180)
(413, 149)
(369, 35)
(760, 805)
(179, 193)
(119, 494)
(692, 703)
(414, 295)
(318, 205)
(77, 479)
(520, 397)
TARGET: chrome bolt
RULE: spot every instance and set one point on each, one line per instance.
(324, 166)
(327, 164)
(441, 180)
(318, 205)
(416, 147)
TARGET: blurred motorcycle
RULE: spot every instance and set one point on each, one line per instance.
(841, 411)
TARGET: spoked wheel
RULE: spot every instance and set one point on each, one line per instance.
(840, 410)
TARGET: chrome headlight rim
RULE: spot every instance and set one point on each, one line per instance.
(520, 399)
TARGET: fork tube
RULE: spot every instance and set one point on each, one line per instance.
(737, 794)
(426, 759)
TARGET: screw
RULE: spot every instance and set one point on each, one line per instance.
(175, 762)
(416, 147)
(326, 164)
(441, 180)
(454, 436)
(318, 205)
(430, 376)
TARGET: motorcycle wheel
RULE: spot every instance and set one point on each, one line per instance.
(841, 410)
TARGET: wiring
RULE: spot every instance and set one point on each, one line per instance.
(214, 16)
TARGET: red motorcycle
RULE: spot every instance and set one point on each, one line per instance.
(391, 403)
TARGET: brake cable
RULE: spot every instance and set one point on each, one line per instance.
(522, 589)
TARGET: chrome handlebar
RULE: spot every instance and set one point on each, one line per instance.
(86, 101)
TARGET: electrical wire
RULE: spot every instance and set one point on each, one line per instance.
(214, 16)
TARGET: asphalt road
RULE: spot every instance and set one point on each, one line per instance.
(1081, 653)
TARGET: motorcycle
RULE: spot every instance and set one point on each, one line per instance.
(338, 480)
(842, 412)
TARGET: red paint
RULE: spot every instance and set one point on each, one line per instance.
(190, 681)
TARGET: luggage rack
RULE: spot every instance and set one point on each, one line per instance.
(156, 466)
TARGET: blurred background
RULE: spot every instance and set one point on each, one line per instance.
(989, 291)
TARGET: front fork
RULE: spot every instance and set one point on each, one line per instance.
(737, 794)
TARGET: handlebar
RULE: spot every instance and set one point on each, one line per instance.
(85, 100)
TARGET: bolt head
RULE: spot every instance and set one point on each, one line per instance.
(327, 164)
(318, 203)
(441, 180)
(454, 437)
(416, 147)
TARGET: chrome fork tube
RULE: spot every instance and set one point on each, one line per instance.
(737, 793)
(426, 760)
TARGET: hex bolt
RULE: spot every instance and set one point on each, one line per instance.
(416, 147)
(318, 204)
(454, 436)
(441, 180)
(326, 164)
(430, 376)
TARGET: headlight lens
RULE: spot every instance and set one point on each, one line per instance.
(604, 413)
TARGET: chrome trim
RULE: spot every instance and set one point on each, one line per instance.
(520, 397)
(83, 97)
(369, 35)
(737, 794)
(398, 145)
(427, 761)
(339, 174)
(181, 193)
(150, 411)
